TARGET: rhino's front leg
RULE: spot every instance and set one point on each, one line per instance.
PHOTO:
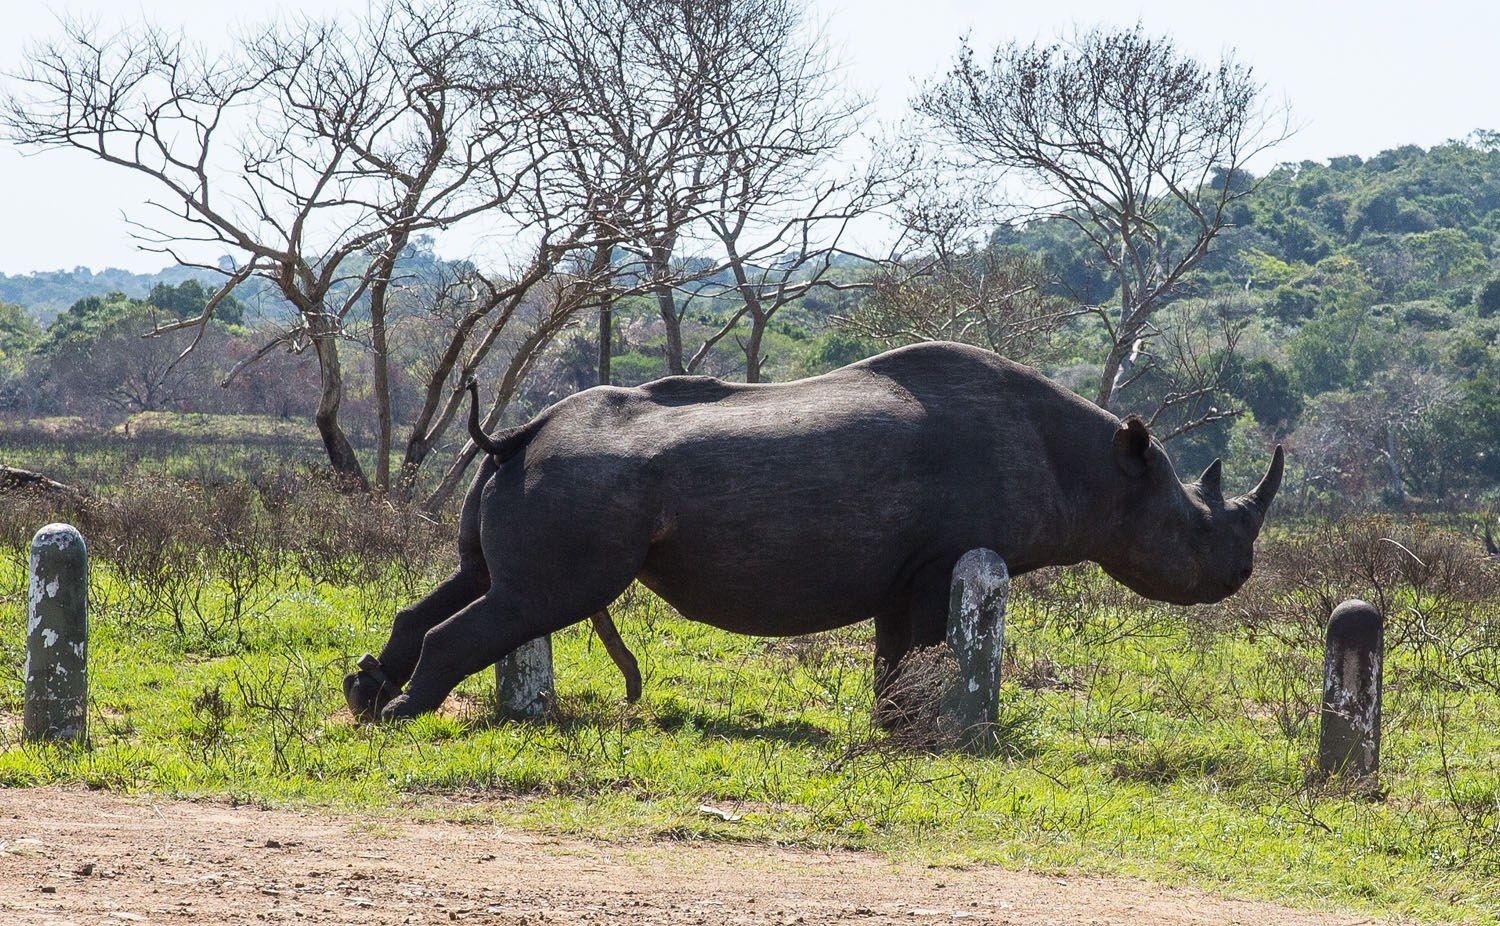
(892, 643)
(369, 689)
(923, 623)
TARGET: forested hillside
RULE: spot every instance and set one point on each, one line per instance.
(1368, 294)
(46, 293)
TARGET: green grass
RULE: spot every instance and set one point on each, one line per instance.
(1143, 743)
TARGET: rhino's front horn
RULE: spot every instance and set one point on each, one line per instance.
(1260, 498)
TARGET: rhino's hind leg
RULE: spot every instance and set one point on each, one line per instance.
(399, 656)
(560, 542)
(484, 633)
(368, 690)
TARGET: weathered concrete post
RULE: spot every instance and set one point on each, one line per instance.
(523, 681)
(1349, 736)
(970, 704)
(56, 673)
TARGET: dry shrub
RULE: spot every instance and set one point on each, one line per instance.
(344, 540)
(909, 707)
(24, 512)
(909, 713)
(1426, 580)
(210, 557)
(1087, 605)
(1435, 586)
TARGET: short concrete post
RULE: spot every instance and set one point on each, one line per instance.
(523, 681)
(56, 673)
(1349, 736)
(970, 704)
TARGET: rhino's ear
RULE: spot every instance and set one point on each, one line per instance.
(1212, 480)
(1132, 443)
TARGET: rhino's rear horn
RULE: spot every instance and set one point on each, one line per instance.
(1260, 497)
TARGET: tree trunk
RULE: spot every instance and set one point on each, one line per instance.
(429, 426)
(666, 306)
(340, 454)
(752, 347)
(606, 339)
(1393, 464)
(382, 396)
(1132, 319)
(384, 270)
(600, 277)
(1107, 377)
(1110, 377)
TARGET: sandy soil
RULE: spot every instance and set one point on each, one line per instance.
(70, 856)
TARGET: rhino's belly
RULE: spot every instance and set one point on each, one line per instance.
(764, 610)
(779, 578)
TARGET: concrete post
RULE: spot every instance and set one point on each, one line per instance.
(523, 681)
(970, 705)
(1349, 735)
(56, 673)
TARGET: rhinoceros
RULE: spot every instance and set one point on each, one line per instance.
(789, 508)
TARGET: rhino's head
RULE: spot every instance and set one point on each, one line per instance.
(1183, 542)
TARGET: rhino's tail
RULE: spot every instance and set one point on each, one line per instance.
(508, 442)
(623, 658)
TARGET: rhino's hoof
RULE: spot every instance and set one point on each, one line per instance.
(367, 695)
(399, 708)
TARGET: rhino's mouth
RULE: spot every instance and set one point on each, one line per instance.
(1184, 594)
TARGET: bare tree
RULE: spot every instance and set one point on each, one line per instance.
(1139, 147)
(951, 285)
(773, 122)
(1181, 372)
(628, 88)
(115, 366)
(703, 132)
(989, 297)
(1350, 435)
(313, 155)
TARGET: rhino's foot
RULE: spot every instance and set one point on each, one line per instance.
(401, 707)
(368, 690)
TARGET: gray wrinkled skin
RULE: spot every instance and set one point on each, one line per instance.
(789, 508)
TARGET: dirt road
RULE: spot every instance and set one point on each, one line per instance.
(81, 857)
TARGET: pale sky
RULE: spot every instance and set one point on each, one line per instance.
(1360, 77)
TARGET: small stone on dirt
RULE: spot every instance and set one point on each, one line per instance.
(726, 815)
